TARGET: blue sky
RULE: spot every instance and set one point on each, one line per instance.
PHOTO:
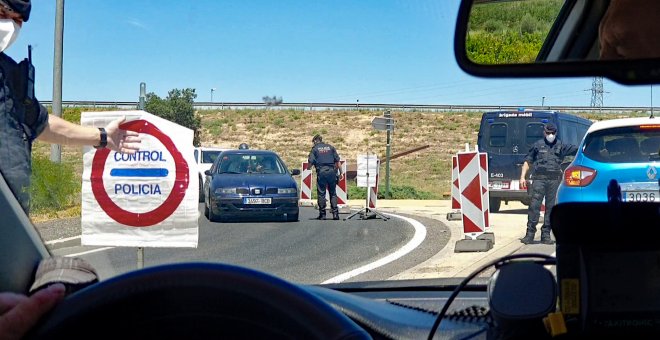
(374, 51)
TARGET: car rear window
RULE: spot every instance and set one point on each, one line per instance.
(624, 145)
(209, 156)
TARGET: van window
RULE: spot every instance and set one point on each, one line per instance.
(497, 135)
(533, 133)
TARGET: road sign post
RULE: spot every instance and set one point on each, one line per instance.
(385, 123)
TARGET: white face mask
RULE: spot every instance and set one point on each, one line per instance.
(8, 33)
(550, 138)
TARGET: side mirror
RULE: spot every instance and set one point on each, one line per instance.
(208, 173)
(556, 38)
(295, 172)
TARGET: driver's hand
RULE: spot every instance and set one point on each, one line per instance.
(523, 183)
(19, 313)
(341, 176)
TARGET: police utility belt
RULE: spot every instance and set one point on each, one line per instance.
(547, 174)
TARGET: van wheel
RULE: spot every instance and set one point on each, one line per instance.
(494, 204)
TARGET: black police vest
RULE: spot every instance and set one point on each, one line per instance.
(548, 159)
(324, 155)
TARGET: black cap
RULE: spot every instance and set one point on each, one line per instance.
(550, 128)
(21, 7)
(243, 146)
(317, 138)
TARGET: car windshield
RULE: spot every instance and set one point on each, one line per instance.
(250, 164)
(359, 100)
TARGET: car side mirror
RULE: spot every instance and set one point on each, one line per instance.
(208, 173)
(295, 172)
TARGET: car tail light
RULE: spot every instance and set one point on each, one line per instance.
(579, 176)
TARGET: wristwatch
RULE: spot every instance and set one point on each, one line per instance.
(104, 139)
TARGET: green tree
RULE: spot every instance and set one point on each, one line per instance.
(177, 107)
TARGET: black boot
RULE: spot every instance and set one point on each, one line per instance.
(335, 215)
(545, 238)
(321, 215)
(529, 238)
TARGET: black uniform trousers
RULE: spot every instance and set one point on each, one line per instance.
(326, 177)
(541, 187)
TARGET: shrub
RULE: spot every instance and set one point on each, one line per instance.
(55, 186)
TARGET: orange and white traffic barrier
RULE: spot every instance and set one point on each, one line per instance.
(372, 193)
(305, 186)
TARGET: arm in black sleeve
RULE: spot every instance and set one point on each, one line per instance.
(569, 150)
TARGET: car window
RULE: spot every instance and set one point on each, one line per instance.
(209, 156)
(623, 145)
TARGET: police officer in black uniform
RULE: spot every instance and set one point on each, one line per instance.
(23, 119)
(545, 157)
(326, 160)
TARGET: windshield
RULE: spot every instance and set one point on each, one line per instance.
(250, 164)
(376, 81)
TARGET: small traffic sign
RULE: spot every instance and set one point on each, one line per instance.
(382, 123)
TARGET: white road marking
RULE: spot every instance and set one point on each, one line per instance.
(60, 240)
(89, 251)
(418, 238)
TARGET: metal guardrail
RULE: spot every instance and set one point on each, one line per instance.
(371, 106)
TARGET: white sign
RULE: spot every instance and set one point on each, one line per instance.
(367, 164)
(148, 199)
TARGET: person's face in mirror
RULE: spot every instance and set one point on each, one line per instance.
(630, 30)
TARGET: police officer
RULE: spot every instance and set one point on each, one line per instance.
(326, 160)
(545, 157)
(23, 119)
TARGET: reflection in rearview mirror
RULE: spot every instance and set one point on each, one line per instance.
(509, 32)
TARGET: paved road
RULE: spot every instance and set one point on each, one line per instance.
(308, 251)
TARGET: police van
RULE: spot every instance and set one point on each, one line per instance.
(506, 136)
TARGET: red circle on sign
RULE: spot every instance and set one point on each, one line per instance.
(161, 212)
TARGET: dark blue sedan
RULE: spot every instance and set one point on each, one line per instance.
(250, 184)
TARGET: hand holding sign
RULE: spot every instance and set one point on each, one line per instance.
(121, 140)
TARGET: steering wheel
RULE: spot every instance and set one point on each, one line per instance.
(196, 300)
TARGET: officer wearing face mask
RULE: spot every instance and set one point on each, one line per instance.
(545, 158)
(23, 119)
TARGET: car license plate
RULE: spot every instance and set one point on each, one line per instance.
(252, 200)
(499, 185)
(641, 196)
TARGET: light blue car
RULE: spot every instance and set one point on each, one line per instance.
(622, 149)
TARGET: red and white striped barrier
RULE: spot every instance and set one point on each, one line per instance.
(455, 191)
(471, 196)
(306, 186)
(455, 214)
(485, 200)
(342, 190)
(372, 193)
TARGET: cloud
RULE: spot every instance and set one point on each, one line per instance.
(137, 23)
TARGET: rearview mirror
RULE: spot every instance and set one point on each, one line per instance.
(208, 173)
(295, 172)
(559, 38)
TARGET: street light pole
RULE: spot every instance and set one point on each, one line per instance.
(543, 101)
(212, 90)
(56, 149)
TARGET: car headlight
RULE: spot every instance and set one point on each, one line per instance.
(221, 191)
(286, 190)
